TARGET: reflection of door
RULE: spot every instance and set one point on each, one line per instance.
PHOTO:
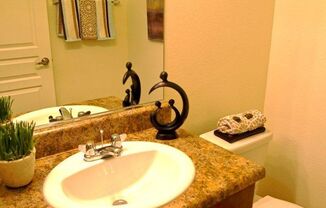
(24, 41)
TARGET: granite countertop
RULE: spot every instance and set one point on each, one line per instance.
(110, 102)
(219, 174)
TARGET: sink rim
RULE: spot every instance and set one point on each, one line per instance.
(52, 181)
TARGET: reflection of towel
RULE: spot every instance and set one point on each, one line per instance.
(240, 123)
(105, 28)
(70, 20)
(85, 19)
(59, 19)
(60, 31)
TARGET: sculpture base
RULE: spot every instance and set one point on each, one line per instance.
(166, 135)
(231, 138)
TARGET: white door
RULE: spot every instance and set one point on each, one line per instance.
(24, 41)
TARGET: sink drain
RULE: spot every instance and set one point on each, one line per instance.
(119, 202)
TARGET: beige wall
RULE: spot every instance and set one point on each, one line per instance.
(147, 55)
(295, 103)
(218, 52)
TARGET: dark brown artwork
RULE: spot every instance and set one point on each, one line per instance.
(155, 19)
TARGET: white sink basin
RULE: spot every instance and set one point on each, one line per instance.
(146, 174)
(41, 116)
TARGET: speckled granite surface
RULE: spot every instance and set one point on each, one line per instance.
(110, 102)
(219, 174)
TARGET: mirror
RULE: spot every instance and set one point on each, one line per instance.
(91, 71)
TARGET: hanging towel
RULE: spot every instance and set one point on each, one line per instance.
(105, 28)
(87, 17)
(70, 20)
(84, 19)
(59, 25)
(60, 31)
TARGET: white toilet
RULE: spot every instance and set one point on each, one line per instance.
(253, 148)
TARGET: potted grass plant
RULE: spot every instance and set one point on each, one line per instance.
(17, 153)
(5, 109)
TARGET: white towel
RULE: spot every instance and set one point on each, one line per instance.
(59, 25)
(105, 27)
(70, 20)
(60, 31)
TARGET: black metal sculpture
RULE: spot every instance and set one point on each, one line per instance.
(133, 97)
(168, 131)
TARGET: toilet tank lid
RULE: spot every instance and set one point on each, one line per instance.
(240, 146)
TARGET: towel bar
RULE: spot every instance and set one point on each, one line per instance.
(114, 2)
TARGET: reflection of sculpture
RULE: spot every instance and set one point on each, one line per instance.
(126, 101)
(167, 131)
(132, 98)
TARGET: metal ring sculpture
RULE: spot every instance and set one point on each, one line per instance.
(168, 131)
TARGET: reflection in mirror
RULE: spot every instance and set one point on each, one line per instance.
(133, 94)
(86, 72)
(54, 114)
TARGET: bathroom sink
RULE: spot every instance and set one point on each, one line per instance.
(146, 174)
(41, 116)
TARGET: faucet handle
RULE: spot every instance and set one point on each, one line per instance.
(90, 148)
(117, 140)
(70, 112)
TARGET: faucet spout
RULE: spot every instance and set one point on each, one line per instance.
(65, 113)
(114, 149)
(102, 152)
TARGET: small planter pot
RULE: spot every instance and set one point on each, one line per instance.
(19, 172)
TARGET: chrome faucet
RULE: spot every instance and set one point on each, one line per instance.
(65, 113)
(113, 149)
